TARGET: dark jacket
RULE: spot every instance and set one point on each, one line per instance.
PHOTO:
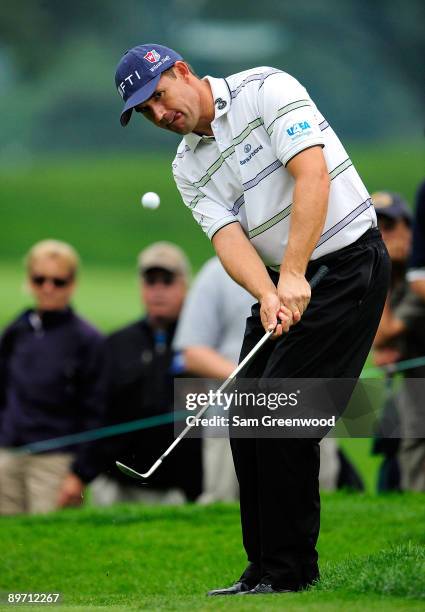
(140, 385)
(50, 378)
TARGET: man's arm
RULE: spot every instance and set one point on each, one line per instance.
(310, 204)
(207, 362)
(390, 327)
(248, 270)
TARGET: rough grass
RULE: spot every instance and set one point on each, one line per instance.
(134, 557)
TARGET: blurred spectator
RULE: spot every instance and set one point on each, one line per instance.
(416, 272)
(401, 335)
(50, 383)
(210, 334)
(140, 384)
(413, 450)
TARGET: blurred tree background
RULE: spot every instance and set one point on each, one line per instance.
(360, 60)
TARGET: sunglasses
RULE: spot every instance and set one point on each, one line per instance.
(164, 277)
(55, 280)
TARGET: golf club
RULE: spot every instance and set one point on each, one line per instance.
(322, 271)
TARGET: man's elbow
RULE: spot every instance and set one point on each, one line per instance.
(317, 179)
(324, 182)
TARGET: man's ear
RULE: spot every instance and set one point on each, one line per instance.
(182, 69)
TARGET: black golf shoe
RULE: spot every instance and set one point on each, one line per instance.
(264, 589)
(240, 587)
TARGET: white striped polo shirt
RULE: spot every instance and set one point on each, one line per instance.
(263, 118)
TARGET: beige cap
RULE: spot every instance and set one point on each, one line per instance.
(165, 255)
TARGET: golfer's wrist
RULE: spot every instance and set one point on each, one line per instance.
(295, 270)
(265, 292)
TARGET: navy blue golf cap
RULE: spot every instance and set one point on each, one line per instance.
(391, 205)
(138, 73)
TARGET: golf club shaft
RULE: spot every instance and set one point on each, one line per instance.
(322, 271)
(205, 408)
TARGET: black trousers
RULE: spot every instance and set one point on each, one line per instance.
(279, 478)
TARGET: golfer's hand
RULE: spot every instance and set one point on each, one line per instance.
(273, 316)
(294, 294)
(71, 492)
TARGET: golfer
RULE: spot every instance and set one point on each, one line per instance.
(271, 185)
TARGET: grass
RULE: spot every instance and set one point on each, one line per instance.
(94, 203)
(145, 558)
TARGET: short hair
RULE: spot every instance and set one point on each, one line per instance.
(170, 71)
(54, 249)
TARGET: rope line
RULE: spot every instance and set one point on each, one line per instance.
(169, 417)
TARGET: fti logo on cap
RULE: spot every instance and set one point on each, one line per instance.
(152, 56)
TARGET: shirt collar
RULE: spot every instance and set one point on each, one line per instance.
(222, 101)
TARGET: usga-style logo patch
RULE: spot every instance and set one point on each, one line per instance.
(152, 56)
(298, 128)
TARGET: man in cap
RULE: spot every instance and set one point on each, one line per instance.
(401, 336)
(140, 385)
(271, 185)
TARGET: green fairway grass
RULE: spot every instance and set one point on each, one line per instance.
(94, 203)
(135, 557)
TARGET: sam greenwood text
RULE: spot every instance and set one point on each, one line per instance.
(265, 421)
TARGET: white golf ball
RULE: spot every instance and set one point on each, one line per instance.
(150, 200)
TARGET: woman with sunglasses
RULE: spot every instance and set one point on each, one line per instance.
(50, 383)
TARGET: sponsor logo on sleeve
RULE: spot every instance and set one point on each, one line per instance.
(302, 128)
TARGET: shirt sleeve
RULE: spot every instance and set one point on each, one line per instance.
(290, 116)
(200, 321)
(210, 215)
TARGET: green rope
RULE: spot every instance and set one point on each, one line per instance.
(393, 368)
(169, 417)
(102, 432)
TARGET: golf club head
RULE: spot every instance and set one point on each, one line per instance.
(129, 471)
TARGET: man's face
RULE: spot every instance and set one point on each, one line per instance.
(51, 283)
(397, 236)
(163, 293)
(175, 105)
